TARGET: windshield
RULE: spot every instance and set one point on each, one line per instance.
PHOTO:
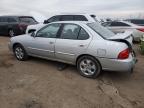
(102, 31)
(27, 20)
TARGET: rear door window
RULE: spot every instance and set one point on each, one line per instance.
(83, 35)
(70, 31)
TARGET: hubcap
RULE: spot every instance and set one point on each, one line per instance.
(11, 33)
(19, 53)
(88, 67)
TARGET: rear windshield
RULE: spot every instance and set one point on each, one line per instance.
(27, 20)
(102, 31)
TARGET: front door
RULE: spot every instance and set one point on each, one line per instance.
(43, 44)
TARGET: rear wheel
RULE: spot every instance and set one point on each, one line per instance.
(11, 33)
(20, 53)
(88, 66)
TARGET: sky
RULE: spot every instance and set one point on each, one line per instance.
(45, 8)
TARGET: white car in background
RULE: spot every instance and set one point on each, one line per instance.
(73, 17)
(65, 17)
(123, 26)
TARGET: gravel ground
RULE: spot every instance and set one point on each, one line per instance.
(37, 83)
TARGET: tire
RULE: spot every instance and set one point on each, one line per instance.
(11, 33)
(20, 53)
(88, 67)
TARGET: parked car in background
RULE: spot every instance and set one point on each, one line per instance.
(139, 22)
(65, 17)
(15, 25)
(88, 45)
(122, 26)
(72, 17)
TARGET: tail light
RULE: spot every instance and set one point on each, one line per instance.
(141, 29)
(124, 54)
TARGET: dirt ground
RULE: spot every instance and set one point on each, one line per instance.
(37, 83)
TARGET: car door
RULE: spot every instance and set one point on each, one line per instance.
(3, 26)
(73, 41)
(43, 43)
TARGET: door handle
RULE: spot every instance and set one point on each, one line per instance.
(51, 42)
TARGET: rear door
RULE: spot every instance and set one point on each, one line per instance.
(73, 41)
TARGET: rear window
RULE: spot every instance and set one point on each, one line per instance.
(27, 20)
(102, 31)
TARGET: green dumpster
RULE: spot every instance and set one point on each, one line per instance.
(142, 45)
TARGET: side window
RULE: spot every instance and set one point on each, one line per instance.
(83, 35)
(2, 19)
(54, 18)
(70, 31)
(11, 20)
(80, 18)
(67, 18)
(49, 31)
(118, 24)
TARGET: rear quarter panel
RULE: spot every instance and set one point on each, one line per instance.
(106, 49)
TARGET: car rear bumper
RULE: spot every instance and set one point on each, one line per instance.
(118, 65)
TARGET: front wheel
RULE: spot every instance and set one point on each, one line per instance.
(20, 53)
(88, 67)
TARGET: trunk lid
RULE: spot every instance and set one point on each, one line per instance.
(127, 35)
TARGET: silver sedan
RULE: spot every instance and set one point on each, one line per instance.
(88, 45)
